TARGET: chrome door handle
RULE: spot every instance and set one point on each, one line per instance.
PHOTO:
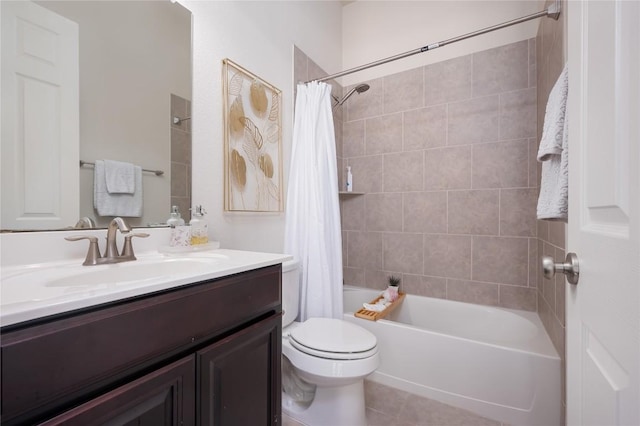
(570, 267)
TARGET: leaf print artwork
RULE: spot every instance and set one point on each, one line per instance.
(253, 145)
(258, 99)
(236, 115)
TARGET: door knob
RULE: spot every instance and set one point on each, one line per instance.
(570, 268)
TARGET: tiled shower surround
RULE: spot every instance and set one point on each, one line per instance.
(445, 158)
(181, 156)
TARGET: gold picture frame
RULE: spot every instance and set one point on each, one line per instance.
(252, 142)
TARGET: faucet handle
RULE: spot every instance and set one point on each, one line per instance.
(93, 254)
(127, 249)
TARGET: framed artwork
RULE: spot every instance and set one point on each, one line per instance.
(253, 142)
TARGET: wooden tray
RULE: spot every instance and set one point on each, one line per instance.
(375, 316)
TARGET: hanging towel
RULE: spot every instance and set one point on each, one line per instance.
(108, 204)
(119, 177)
(553, 152)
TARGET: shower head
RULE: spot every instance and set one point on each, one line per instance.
(360, 88)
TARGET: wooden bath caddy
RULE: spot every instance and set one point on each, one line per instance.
(375, 316)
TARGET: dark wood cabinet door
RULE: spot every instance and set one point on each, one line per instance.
(239, 377)
(165, 397)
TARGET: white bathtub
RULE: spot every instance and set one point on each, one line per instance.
(498, 363)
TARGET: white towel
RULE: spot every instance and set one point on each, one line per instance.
(553, 152)
(120, 177)
(107, 204)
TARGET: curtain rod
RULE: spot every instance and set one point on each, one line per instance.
(553, 11)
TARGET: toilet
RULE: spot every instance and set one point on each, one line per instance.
(324, 363)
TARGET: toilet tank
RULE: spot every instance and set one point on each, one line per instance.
(290, 291)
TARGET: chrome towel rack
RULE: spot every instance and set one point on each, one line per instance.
(155, 172)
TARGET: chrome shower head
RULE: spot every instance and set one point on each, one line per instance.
(360, 88)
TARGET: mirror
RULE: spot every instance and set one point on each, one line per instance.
(134, 77)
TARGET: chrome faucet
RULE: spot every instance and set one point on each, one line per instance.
(85, 222)
(115, 224)
(111, 254)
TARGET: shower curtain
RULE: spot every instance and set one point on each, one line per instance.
(312, 228)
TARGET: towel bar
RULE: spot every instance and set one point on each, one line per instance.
(156, 172)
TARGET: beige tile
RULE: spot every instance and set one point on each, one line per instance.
(515, 297)
(403, 252)
(367, 173)
(447, 256)
(383, 134)
(300, 67)
(425, 128)
(473, 292)
(473, 212)
(289, 421)
(353, 276)
(539, 276)
(180, 146)
(384, 399)
(473, 121)
(315, 71)
(518, 114)
(338, 130)
(353, 138)
(425, 212)
(534, 262)
(352, 211)
(501, 260)
(518, 212)
(403, 91)
(377, 279)
(178, 180)
(448, 168)
(427, 412)
(557, 233)
(549, 286)
(383, 212)
(422, 285)
(500, 165)
(532, 62)
(367, 104)
(345, 240)
(365, 250)
(501, 69)
(543, 229)
(533, 163)
(448, 81)
(375, 418)
(403, 171)
(179, 109)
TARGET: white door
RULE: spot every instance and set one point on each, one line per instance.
(603, 310)
(40, 118)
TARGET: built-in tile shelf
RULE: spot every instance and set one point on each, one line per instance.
(349, 194)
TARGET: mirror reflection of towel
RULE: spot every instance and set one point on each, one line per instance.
(119, 177)
(116, 204)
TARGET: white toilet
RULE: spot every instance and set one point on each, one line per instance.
(324, 362)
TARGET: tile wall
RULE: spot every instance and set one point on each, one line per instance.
(551, 235)
(181, 157)
(445, 158)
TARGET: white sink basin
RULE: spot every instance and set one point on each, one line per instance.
(33, 291)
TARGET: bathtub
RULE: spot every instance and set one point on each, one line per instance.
(498, 363)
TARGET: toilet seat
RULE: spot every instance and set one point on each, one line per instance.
(330, 338)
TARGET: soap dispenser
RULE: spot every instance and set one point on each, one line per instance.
(199, 227)
(175, 219)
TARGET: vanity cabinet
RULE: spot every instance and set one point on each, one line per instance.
(207, 353)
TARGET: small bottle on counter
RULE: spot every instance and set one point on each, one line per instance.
(199, 227)
(349, 179)
(175, 219)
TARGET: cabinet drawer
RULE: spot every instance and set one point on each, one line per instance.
(49, 365)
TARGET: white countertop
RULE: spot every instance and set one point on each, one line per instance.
(33, 291)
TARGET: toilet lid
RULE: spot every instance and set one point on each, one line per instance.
(333, 339)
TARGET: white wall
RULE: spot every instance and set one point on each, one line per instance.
(373, 30)
(133, 55)
(258, 36)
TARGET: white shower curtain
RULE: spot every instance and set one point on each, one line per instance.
(312, 229)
